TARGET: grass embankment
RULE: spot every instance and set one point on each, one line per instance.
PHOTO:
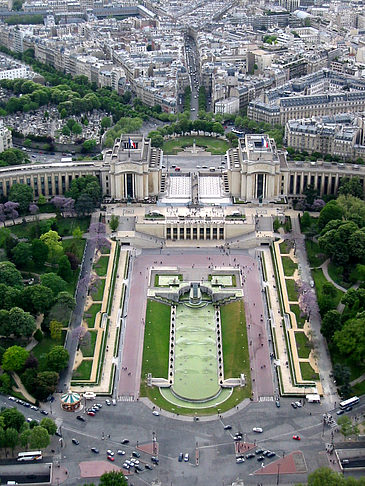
(292, 293)
(101, 266)
(214, 145)
(156, 343)
(83, 372)
(97, 294)
(308, 372)
(289, 266)
(320, 280)
(315, 255)
(236, 358)
(302, 345)
(90, 314)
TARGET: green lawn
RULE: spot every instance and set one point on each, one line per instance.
(105, 250)
(300, 319)
(284, 248)
(214, 145)
(63, 226)
(88, 348)
(237, 396)
(289, 266)
(83, 372)
(90, 314)
(302, 345)
(308, 372)
(41, 349)
(101, 266)
(97, 295)
(315, 255)
(336, 273)
(74, 246)
(234, 341)
(156, 342)
(319, 280)
(359, 389)
(292, 293)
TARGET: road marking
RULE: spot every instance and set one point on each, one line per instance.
(266, 399)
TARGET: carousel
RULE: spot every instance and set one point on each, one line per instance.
(70, 401)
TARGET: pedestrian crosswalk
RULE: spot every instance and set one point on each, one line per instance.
(266, 399)
(126, 398)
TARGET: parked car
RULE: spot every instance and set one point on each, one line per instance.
(95, 450)
(155, 412)
(110, 453)
(91, 413)
(258, 430)
(294, 405)
(110, 458)
(296, 437)
(181, 455)
(227, 427)
(124, 441)
(120, 453)
(82, 419)
(186, 457)
(75, 441)
(136, 454)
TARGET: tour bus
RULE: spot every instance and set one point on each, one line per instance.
(30, 456)
(350, 402)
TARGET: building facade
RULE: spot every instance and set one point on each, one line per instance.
(133, 171)
(6, 140)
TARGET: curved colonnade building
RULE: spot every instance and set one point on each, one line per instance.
(133, 171)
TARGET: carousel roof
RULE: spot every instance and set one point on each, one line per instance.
(70, 397)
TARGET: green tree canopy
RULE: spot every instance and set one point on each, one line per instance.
(54, 282)
(331, 211)
(350, 340)
(23, 323)
(57, 358)
(39, 438)
(45, 384)
(49, 425)
(14, 358)
(113, 478)
(37, 298)
(22, 254)
(12, 418)
(39, 252)
(9, 275)
(55, 249)
(22, 194)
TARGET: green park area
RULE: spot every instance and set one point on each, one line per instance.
(101, 266)
(215, 146)
(90, 314)
(156, 342)
(289, 266)
(292, 293)
(235, 357)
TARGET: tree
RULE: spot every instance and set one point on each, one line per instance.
(77, 233)
(55, 249)
(84, 205)
(39, 438)
(64, 269)
(22, 254)
(88, 146)
(63, 204)
(49, 425)
(329, 212)
(305, 220)
(14, 358)
(22, 194)
(33, 209)
(113, 478)
(24, 438)
(346, 427)
(23, 323)
(66, 300)
(11, 437)
(13, 419)
(57, 358)
(351, 187)
(39, 252)
(350, 340)
(329, 289)
(54, 282)
(45, 384)
(9, 275)
(55, 329)
(37, 298)
(114, 222)
(331, 323)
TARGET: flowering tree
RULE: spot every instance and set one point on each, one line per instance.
(63, 204)
(2, 214)
(80, 334)
(307, 299)
(10, 209)
(97, 233)
(33, 209)
(318, 204)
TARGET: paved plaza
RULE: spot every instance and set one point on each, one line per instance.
(195, 262)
